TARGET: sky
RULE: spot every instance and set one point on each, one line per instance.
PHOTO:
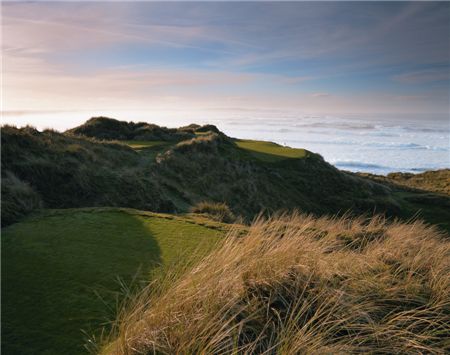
(210, 57)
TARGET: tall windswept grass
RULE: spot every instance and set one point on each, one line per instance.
(299, 285)
(218, 211)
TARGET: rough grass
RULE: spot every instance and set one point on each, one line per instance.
(109, 128)
(18, 199)
(434, 181)
(215, 210)
(60, 270)
(299, 285)
(437, 181)
(68, 171)
(271, 152)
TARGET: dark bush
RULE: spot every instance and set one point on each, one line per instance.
(18, 199)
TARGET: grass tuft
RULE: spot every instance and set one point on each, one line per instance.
(217, 211)
(294, 285)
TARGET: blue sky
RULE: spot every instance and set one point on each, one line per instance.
(323, 57)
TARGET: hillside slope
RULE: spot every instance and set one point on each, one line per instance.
(437, 181)
(60, 270)
(426, 195)
(54, 170)
(57, 170)
(251, 180)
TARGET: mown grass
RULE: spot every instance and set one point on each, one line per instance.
(139, 145)
(269, 151)
(149, 150)
(300, 285)
(60, 270)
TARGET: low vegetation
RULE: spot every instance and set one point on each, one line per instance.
(18, 199)
(55, 170)
(300, 285)
(64, 272)
(216, 211)
(432, 181)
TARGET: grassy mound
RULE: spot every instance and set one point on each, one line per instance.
(66, 171)
(299, 285)
(214, 167)
(109, 128)
(60, 270)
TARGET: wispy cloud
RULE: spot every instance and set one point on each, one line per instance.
(320, 94)
(424, 76)
(122, 54)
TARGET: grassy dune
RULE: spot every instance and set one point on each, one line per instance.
(60, 270)
(106, 162)
(299, 285)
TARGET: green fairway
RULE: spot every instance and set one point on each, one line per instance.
(57, 268)
(138, 145)
(269, 151)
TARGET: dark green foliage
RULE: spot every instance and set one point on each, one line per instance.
(110, 129)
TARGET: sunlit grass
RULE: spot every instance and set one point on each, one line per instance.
(271, 152)
(300, 285)
(139, 145)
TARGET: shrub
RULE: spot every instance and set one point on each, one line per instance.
(18, 199)
(217, 211)
(295, 285)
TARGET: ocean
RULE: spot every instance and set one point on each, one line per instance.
(374, 144)
(377, 144)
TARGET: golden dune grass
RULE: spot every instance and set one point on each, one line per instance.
(299, 285)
